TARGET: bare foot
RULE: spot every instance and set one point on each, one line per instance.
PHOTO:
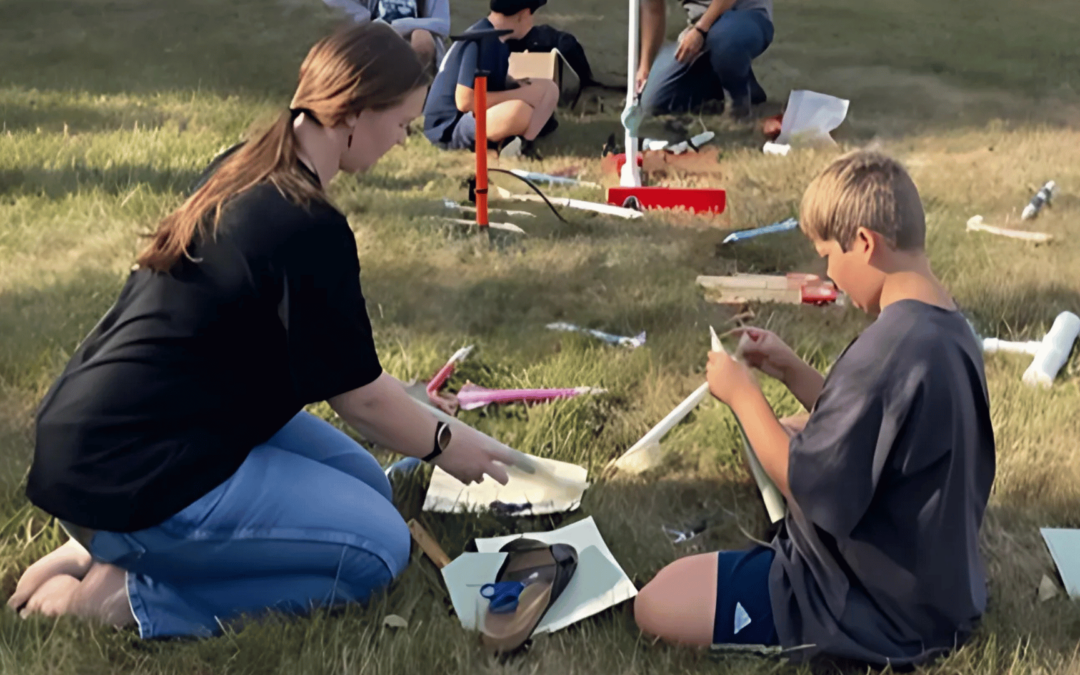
(70, 559)
(53, 597)
(102, 595)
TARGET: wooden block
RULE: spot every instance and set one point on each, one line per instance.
(428, 544)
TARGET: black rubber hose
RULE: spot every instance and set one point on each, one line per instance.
(536, 190)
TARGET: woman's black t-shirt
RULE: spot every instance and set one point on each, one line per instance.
(190, 370)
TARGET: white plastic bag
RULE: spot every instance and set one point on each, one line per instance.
(810, 117)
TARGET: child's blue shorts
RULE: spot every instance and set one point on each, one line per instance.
(743, 609)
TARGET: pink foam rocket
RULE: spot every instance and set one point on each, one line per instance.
(471, 396)
(444, 373)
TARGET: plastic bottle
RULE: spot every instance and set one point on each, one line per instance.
(1042, 197)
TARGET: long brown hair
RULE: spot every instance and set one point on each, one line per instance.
(365, 67)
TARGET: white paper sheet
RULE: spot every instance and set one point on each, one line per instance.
(1064, 546)
(593, 588)
(599, 583)
(810, 117)
(447, 494)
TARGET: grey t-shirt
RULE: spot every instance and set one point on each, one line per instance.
(878, 559)
(695, 8)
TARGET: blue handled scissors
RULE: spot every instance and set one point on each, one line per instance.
(503, 596)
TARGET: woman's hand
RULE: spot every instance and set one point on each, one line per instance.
(690, 45)
(470, 455)
(765, 351)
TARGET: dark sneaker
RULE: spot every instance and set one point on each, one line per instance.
(740, 108)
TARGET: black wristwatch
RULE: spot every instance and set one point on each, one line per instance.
(704, 33)
(442, 439)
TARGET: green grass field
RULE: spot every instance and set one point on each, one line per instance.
(108, 110)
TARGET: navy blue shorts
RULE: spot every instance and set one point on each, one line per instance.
(743, 609)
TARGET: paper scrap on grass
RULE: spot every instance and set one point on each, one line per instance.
(809, 119)
(532, 495)
(632, 342)
(1064, 545)
(598, 583)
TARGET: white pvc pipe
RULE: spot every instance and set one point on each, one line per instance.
(1057, 345)
(631, 176)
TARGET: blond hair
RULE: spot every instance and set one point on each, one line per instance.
(864, 189)
(365, 67)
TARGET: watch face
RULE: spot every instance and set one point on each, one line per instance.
(444, 436)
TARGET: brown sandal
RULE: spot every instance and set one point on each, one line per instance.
(531, 579)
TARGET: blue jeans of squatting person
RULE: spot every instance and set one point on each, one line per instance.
(305, 521)
(734, 41)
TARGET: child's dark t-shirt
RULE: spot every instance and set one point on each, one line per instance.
(459, 66)
(878, 559)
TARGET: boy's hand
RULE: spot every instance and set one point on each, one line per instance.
(765, 351)
(728, 379)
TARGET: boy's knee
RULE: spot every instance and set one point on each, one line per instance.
(422, 41)
(647, 610)
(550, 88)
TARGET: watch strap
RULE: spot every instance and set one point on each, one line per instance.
(437, 450)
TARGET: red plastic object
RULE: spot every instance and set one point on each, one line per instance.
(440, 378)
(481, 152)
(818, 294)
(698, 200)
(620, 159)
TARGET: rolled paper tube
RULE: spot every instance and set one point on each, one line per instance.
(444, 373)
(508, 227)
(471, 396)
(636, 341)
(770, 494)
(546, 178)
(629, 462)
(596, 207)
(976, 223)
(993, 345)
(783, 226)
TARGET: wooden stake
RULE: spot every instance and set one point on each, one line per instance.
(428, 544)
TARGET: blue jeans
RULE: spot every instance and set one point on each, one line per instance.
(305, 521)
(734, 41)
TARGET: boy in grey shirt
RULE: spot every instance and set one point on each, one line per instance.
(887, 480)
(713, 55)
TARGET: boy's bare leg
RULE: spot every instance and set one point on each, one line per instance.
(101, 594)
(70, 560)
(679, 604)
(423, 43)
(509, 118)
(543, 102)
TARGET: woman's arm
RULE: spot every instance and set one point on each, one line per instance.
(385, 414)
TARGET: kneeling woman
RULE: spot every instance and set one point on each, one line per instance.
(174, 448)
